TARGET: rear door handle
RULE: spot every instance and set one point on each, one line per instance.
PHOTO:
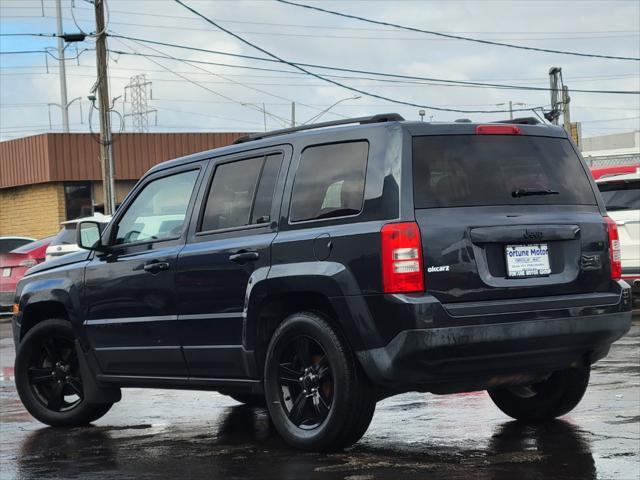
(244, 256)
(156, 266)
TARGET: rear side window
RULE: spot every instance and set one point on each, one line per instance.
(473, 170)
(241, 193)
(330, 181)
(621, 195)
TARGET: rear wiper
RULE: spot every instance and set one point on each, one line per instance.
(525, 192)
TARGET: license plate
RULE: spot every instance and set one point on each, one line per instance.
(6, 272)
(527, 260)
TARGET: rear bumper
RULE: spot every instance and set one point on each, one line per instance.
(490, 346)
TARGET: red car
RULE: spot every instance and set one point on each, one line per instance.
(602, 172)
(13, 266)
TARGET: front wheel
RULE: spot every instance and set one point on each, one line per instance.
(48, 379)
(318, 397)
(546, 400)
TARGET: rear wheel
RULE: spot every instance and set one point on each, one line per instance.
(48, 379)
(546, 400)
(317, 395)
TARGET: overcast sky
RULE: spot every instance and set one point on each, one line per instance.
(231, 99)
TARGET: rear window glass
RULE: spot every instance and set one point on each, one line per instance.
(66, 236)
(621, 195)
(474, 170)
(330, 181)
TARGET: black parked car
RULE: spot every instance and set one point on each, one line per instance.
(319, 270)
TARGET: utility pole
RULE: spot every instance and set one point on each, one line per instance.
(555, 80)
(293, 114)
(566, 116)
(106, 154)
(62, 71)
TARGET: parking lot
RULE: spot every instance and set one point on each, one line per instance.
(181, 434)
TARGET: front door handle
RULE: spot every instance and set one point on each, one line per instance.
(244, 256)
(156, 266)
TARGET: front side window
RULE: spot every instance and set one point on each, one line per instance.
(241, 193)
(330, 181)
(159, 210)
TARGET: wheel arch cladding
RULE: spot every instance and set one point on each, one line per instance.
(265, 316)
(37, 312)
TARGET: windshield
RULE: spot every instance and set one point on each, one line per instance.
(473, 170)
(621, 195)
(66, 236)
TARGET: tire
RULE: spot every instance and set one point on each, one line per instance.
(48, 379)
(249, 400)
(339, 402)
(554, 397)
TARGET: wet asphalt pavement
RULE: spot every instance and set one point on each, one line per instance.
(180, 434)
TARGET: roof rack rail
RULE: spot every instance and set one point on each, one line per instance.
(380, 118)
(521, 121)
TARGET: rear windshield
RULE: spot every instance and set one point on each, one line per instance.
(474, 170)
(621, 195)
(66, 236)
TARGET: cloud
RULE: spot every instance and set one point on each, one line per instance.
(311, 37)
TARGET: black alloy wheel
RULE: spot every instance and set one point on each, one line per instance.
(543, 401)
(54, 374)
(49, 379)
(306, 382)
(318, 396)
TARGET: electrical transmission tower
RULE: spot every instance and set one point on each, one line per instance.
(139, 89)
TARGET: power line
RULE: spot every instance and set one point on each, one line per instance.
(328, 80)
(334, 27)
(365, 72)
(447, 35)
(187, 62)
(250, 106)
(598, 35)
(525, 80)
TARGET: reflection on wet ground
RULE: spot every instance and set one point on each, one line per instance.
(174, 434)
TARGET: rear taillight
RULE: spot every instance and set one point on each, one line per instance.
(615, 256)
(498, 130)
(29, 262)
(402, 267)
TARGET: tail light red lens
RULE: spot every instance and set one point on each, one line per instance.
(615, 255)
(402, 266)
(498, 130)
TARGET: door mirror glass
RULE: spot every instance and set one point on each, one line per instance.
(88, 235)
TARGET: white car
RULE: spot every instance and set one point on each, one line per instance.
(65, 240)
(621, 194)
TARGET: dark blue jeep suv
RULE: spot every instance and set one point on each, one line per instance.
(318, 270)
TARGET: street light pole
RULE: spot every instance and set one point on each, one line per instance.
(317, 117)
(511, 105)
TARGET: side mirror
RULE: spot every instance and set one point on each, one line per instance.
(89, 235)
